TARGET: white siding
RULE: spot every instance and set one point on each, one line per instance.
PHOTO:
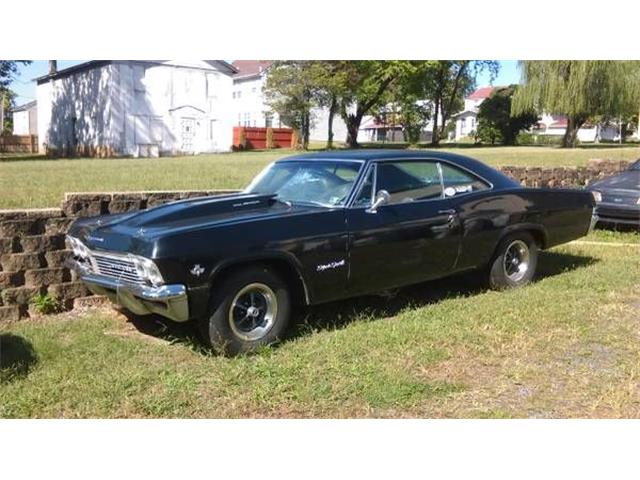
(131, 105)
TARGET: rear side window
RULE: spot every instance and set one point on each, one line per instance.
(457, 181)
(409, 181)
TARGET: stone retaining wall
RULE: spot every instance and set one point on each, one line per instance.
(32, 242)
(33, 250)
(535, 177)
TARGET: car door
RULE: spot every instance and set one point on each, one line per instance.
(412, 238)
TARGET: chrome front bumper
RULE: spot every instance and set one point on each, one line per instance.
(594, 220)
(170, 301)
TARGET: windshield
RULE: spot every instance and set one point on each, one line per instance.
(317, 182)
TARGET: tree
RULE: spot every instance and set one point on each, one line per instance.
(363, 84)
(405, 102)
(579, 89)
(495, 122)
(330, 88)
(291, 90)
(8, 70)
(446, 84)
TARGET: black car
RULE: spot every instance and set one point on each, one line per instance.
(321, 227)
(618, 197)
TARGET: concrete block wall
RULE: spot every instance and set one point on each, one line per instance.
(32, 242)
(33, 250)
(570, 177)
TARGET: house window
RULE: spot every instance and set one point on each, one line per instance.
(253, 90)
(212, 129)
(463, 125)
(247, 119)
(138, 79)
(473, 122)
(239, 119)
(211, 84)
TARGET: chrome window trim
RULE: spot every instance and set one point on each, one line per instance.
(374, 164)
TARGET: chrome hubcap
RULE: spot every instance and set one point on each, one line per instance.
(253, 311)
(516, 260)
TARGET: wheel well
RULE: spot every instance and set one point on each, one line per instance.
(282, 267)
(539, 237)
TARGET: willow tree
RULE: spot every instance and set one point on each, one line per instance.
(578, 89)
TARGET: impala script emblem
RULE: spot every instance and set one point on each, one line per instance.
(330, 266)
(197, 270)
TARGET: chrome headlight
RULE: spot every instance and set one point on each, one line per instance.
(79, 249)
(148, 270)
(597, 196)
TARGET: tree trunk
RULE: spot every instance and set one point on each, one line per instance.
(305, 130)
(332, 111)
(434, 135)
(352, 121)
(571, 134)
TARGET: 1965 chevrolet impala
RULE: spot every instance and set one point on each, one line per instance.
(321, 227)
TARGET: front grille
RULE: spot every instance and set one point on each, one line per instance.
(117, 267)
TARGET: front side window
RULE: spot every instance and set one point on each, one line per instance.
(457, 181)
(322, 183)
(365, 196)
(409, 181)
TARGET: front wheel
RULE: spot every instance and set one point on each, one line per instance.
(251, 309)
(514, 262)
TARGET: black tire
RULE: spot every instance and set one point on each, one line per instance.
(505, 272)
(224, 328)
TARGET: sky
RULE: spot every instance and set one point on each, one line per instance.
(25, 87)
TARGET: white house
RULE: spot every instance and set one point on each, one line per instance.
(137, 107)
(549, 125)
(25, 119)
(467, 119)
(588, 133)
(248, 100)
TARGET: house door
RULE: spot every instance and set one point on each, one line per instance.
(188, 129)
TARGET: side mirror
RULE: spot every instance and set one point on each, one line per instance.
(382, 198)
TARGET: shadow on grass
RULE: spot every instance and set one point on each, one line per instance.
(17, 357)
(336, 315)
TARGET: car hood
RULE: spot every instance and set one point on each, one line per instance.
(628, 180)
(134, 232)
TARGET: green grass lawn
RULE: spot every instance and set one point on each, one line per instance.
(34, 182)
(566, 346)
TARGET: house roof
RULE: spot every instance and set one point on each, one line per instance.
(221, 64)
(482, 92)
(465, 112)
(250, 68)
(559, 121)
(26, 106)
(379, 126)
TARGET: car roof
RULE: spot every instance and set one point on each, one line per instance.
(497, 178)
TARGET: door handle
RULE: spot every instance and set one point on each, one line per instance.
(449, 211)
(451, 216)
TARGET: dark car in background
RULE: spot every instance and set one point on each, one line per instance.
(321, 227)
(618, 197)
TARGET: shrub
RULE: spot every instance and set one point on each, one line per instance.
(45, 304)
(295, 140)
(242, 139)
(526, 138)
(269, 141)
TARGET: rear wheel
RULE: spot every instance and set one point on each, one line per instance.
(514, 262)
(252, 308)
